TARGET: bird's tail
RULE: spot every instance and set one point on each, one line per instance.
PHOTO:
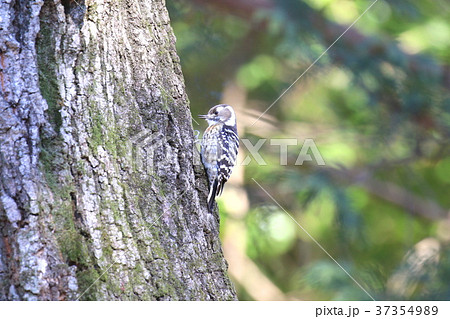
(212, 194)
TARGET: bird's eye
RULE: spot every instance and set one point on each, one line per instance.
(216, 113)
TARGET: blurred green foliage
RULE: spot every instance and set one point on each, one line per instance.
(377, 105)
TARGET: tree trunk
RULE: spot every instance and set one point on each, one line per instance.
(102, 194)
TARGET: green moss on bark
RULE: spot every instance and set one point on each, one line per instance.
(45, 49)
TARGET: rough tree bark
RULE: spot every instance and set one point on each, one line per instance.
(101, 194)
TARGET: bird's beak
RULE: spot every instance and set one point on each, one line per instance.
(203, 116)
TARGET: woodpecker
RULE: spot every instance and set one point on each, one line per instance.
(219, 148)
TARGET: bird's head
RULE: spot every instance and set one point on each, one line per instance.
(222, 113)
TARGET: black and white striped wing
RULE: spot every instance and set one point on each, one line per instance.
(229, 141)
